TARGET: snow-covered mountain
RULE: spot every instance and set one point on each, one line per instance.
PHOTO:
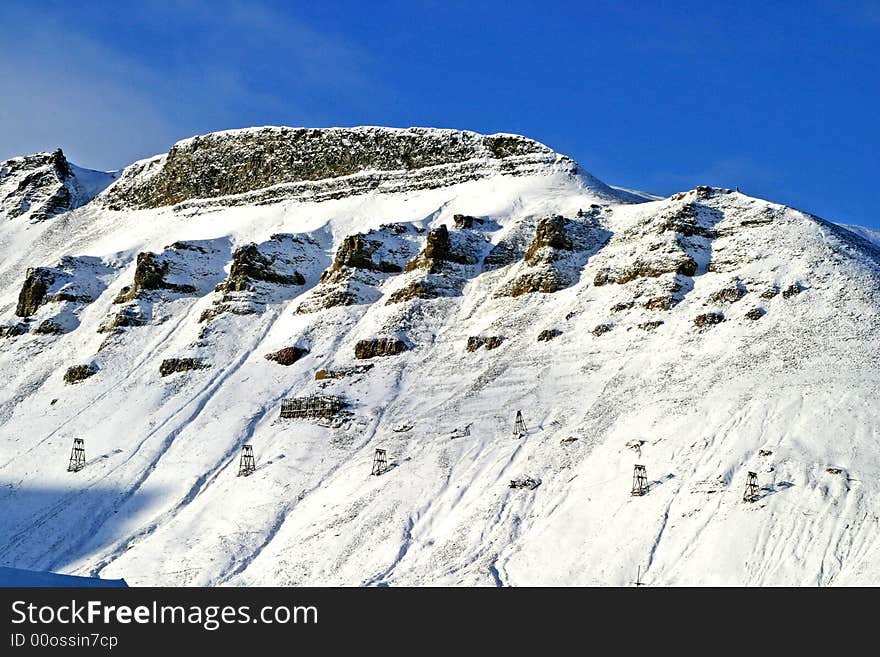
(413, 289)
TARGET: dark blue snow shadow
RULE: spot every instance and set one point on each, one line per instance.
(393, 465)
(767, 491)
(268, 462)
(45, 528)
(659, 482)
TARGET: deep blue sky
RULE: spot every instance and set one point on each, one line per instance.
(780, 98)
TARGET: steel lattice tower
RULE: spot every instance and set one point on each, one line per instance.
(380, 463)
(752, 492)
(77, 456)
(247, 465)
(519, 425)
(640, 481)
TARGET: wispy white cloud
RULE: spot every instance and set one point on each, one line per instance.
(202, 66)
(63, 89)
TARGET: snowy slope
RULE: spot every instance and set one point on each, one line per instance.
(784, 384)
(869, 234)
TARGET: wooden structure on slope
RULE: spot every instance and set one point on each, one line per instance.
(313, 406)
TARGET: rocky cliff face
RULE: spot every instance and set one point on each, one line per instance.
(38, 187)
(52, 297)
(554, 257)
(259, 273)
(362, 263)
(184, 268)
(33, 292)
(319, 164)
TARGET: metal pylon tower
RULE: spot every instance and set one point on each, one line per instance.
(247, 465)
(640, 481)
(77, 456)
(380, 463)
(752, 492)
(519, 425)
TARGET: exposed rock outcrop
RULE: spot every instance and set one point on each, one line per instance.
(489, 342)
(443, 266)
(665, 243)
(728, 294)
(548, 334)
(550, 236)
(287, 355)
(262, 273)
(250, 265)
(320, 164)
(182, 268)
(555, 256)
(79, 373)
(502, 254)
(493, 341)
(602, 329)
(707, 320)
(33, 292)
(546, 281)
(73, 279)
(438, 251)
(341, 373)
(172, 365)
(474, 342)
(621, 306)
(126, 317)
(379, 347)
(337, 291)
(755, 313)
(467, 222)
(49, 327)
(13, 330)
(191, 268)
(663, 302)
(150, 274)
(357, 251)
(363, 261)
(684, 220)
(40, 186)
(430, 286)
(54, 296)
(435, 253)
(593, 211)
(701, 192)
(675, 263)
(792, 290)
